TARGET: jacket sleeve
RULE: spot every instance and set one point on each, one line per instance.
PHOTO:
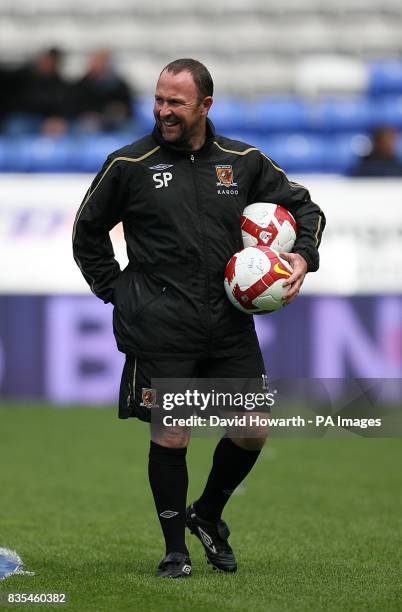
(272, 185)
(99, 212)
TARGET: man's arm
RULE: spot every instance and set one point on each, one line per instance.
(272, 185)
(99, 212)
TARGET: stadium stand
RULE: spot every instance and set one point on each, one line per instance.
(308, 81)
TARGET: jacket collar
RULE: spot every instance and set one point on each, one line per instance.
(210, 135)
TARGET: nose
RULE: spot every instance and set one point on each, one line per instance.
(164, 110)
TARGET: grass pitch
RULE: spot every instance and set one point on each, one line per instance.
(316, 526)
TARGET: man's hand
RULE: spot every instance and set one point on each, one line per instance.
(299, 267)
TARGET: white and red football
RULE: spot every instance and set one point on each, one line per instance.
(266, 224)
(254, 280)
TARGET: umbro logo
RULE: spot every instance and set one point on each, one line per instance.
(168, 514)
(161, 167)
(207, 540)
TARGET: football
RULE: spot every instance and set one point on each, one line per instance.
(254, 280)
(266, 224)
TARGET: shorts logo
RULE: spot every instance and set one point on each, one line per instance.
(225, 176)
(148, 398)
(186, 569)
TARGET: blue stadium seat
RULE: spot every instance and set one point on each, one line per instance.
(388, 111)
(298, 152)
(306, 152)
(251, 138)
(275, 114)
(41, 154)
(21, 124)
(62, 154)
(399, 147)
(91, 151)
(330, 136)
(385, 77)
(227, 114)
(339, 114)
(143, 113)
(6, 154)
(342, 150)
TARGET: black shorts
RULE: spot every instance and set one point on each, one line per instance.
(135, 398)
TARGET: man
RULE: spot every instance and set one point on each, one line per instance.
(44, 94)
(171, 316)
(383, 158)
(102, 98)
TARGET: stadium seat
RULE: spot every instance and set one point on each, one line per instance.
(6, 156)
(42, 154)
(297, 152)
(252, 75)
(144, 114)
(276, 114)
(330, 74)
(388, 111)
(228, 114)
(342, 150)
(368, 35)
(399, 147)
(385, 77)
(325, 154)
(92, 151)
(291, 78)
(342, 113)
(260, 141)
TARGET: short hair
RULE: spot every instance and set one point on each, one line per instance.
(201, 75)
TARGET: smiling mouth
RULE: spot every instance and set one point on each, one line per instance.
(170, 124)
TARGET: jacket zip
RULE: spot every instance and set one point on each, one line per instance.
(205, 250)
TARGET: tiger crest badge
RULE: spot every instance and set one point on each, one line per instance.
(148, 398)
(225, 176)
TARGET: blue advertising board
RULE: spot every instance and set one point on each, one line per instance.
(61, 348)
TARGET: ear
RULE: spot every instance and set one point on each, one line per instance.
(206, 104)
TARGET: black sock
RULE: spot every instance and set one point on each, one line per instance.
(168, 478)
(230, 466)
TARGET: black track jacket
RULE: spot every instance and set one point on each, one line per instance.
(181, 218)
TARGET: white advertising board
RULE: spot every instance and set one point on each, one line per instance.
(361, 250)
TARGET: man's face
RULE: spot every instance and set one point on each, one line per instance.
(179, 113)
